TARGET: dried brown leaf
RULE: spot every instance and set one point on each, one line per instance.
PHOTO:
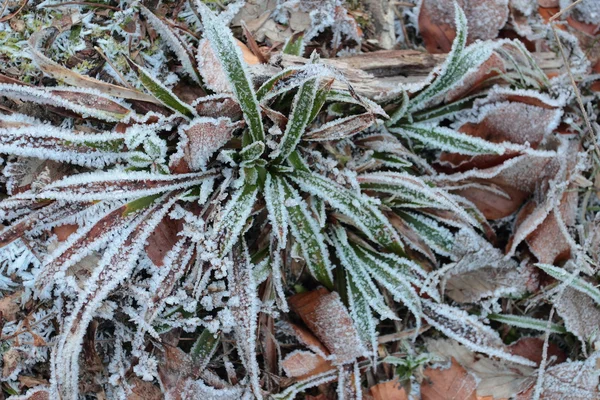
(436, 21)
(453, 383)
(327, 317)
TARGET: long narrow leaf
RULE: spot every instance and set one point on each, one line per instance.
(442, 138)
(158, 90)
(307, 233)
(234, 216)
(299, 119)
(104, 185)
(573, 281)
(365, 215)
(230, 56)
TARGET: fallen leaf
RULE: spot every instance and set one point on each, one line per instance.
(453, 383)
(581, 316)
(436, 21)
(388, 390)
(532, 347)
(327, 317)
(9, 306)
(304, 364)
(143, 390)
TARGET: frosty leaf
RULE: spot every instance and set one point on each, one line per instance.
(307, 233)
(115, 266)
(112, 185)
(341, 128)
(400, 112)
(448, 383)
(173, 42)
(467, 330)
(364, 214)
(412, 191)
(274, 195)
(522, 321)
(439, 238)
(74, 79)
(252, 152)
(357, 271)
(234, 216)
(222, 42)
(576, 380)
(362, 317)
(92, 236)
(320, 99)
(85, 102)
(327, 317)
(304, 364)
(291, 78)
(458, 65)
(580, 315)
(394, 274)
(160, 91)
(447, 139)
(204, 348)
(242, 286)
(294, 45)
(572, 280)
(175, 264)
(51, 143)
(298, 120)
(485, 19)
(201, 138)
(298, 387)
(34, 220)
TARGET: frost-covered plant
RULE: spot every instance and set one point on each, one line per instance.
(249, 181)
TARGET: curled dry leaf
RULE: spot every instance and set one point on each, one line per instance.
(327, 317)
(436, 21)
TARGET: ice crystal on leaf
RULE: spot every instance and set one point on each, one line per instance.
(211, 200)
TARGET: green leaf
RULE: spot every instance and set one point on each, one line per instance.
(230, 57)
(447, 139)
(294, 45)
(394, 274)
(298, 120)
(252, 152)
(204, 347)
(139, 204)
(527, 322)
(364, 213)
(355, 267)
(447, 76)
(160, 92)
(306, 231)
(439, 238)
(234, 216)
(572, 280)
(274, 195)
(290, 78)
(362, 316)
(400, 112)
(320, 99)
